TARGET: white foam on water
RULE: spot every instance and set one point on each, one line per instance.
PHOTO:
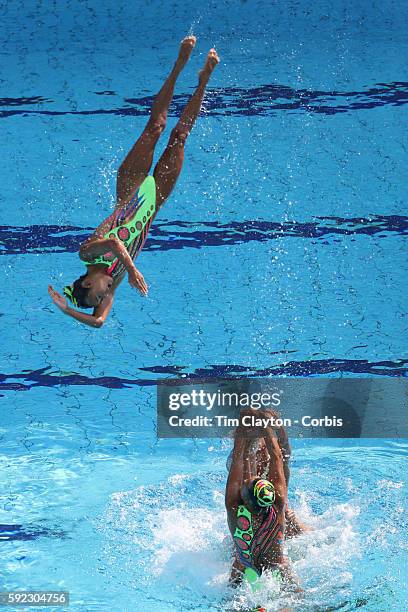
(389, 484)
(176, 533)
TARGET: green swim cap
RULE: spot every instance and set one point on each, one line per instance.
(68, 292)
(264, 492)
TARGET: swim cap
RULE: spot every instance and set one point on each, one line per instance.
(264, 492)
(68, 292)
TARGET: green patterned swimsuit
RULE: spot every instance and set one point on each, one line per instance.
(130, 225)
(251, 546)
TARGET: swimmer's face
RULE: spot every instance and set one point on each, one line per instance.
(98, 286)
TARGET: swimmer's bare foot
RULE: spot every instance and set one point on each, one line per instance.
(186, 47)
(210, 63)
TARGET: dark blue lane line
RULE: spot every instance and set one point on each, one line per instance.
(45, 377)
(30, 532)
(17, 240)
(235, 101)
(24, 101)
(175, 235)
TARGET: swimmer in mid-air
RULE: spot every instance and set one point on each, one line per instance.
(256, 505)
(109, 253)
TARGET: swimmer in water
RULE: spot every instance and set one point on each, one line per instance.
(293, 526)
(256, 505)
(111, 250)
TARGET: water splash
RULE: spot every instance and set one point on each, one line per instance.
(175, 533)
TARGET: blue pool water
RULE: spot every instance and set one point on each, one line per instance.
(282, 251)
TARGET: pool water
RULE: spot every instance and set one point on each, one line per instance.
(282, 251)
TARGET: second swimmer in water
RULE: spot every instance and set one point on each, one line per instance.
(109, 253)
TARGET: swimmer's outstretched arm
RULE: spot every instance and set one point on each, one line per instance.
(97, 319)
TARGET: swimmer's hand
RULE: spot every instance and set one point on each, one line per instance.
(248, 430)
(58, 299)
(137, 281)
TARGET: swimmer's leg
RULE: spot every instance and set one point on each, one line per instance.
(169, 165)
(138, 161)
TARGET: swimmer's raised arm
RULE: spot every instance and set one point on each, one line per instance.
(249, 461)
(255, 434)
(243, 466)
(276, 472)
(237, 471)
(283, 442)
